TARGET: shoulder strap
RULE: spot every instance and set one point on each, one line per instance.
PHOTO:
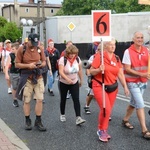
(12, 56)
(77, 58)
(117, 58)
(24, 49)
(65, 61)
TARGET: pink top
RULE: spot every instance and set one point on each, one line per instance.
(70, 71)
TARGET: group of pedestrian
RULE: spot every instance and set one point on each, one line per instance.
(133, 75)
(28, 67)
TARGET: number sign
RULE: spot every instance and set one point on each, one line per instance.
(101, 25)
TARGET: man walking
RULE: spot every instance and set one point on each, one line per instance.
(30, 60)
(135, 61)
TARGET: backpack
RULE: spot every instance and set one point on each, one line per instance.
(89, 80)
(24, 49)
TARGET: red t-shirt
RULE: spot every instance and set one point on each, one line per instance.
(112, 67)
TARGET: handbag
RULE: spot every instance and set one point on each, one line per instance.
(109, 88)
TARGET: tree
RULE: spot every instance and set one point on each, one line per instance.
(12, 32)
(84, 7)
(9, 30)
(124, 6)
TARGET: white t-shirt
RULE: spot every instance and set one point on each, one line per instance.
(70, 71)
(126, 58)
(91, 59)
(5, 54)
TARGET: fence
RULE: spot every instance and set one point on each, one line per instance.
(120, 48)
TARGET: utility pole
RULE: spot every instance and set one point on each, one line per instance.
(44, 26)
(16, 13)
(38, 17)
(41, 20)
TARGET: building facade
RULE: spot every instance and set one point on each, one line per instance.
(31, 10)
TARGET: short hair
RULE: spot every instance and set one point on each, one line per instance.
(135, 34)
(16, 45)
(111, 40)
(72, 49)
(69, 42)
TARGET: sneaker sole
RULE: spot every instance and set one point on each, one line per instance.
(80, 123)
(63, 120)
(15, 105)
(88, 112)
(103, 140)
(40, 129)
(27, 128)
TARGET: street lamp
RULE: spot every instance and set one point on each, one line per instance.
(27, 30)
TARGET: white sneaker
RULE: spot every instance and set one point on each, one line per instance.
(79, 121)
(68, 95)
(9, 91)
(62, 118)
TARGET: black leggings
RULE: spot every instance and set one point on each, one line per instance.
(74, 90)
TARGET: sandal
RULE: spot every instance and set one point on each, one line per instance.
(146, 134)
(127, 125)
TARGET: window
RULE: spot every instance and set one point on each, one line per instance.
(52, 10)
(26, 10)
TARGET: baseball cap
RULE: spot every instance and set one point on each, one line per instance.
(34, 38)
(7, 41)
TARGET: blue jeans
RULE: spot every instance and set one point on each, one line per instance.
(137, 90)
(51, 79)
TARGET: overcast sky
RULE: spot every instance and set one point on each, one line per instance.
(48, 1)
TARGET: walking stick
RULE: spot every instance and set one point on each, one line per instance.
(103, 84)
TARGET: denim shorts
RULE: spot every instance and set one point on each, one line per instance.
(137, 90)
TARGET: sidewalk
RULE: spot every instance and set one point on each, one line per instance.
(9, 140)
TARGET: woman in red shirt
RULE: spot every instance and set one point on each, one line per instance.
(112, 68)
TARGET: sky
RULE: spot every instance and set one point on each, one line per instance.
(48, 1)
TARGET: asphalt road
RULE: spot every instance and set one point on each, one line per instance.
(68, 136)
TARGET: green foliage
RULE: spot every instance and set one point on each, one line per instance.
(9, 30)
(3, 21)
(124, 6)
(84, 7)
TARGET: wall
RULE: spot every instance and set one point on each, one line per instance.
(123, 26)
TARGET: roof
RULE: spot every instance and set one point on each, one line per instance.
(34, 5)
